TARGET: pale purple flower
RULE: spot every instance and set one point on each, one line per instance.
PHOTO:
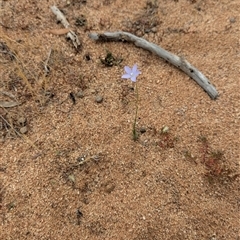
(131, 73)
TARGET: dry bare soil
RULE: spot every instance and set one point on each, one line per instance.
(69, 168)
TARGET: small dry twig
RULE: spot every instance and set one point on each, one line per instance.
(178, 62)
(65, 23)
(46, 66)
(8, 94)
(5, 104)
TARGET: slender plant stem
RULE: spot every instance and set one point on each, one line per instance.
(135, 134)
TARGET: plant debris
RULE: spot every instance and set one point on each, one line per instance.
(110, 60)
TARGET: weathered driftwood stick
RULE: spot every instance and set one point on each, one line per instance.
(65, 23)
(179, 62)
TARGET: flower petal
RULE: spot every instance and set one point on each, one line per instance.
(134, 69)
(127, 69)
(137, 73)
(134, 78)
(126, 76)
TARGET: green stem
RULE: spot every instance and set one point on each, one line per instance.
(135, 134)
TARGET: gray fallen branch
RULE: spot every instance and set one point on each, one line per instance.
(65, 23)
(178, 62)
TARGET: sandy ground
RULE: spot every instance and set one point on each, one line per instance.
(69, 168)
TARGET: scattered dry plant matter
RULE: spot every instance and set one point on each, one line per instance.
(69, 168)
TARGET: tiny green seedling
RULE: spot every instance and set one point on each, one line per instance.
(110, 60)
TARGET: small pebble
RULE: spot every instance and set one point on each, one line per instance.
(165, 129)
(22, 121)
(23, 130)
(99, 99)
(142, 130)
(139, 33)
(92, 91)
(147, 30)
(80, 94)
(154, 29)
(232, 19)
(71, 177)
(109, 187)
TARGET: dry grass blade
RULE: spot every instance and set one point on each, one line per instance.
(26, 139)
(5, 104)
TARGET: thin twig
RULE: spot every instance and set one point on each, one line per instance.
(8, 94)
(19, 134)
(46, 66)
(178, 62)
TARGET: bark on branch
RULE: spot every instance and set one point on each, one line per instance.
(178, 62)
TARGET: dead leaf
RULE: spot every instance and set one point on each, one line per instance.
(60, 31)
(8, 104)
